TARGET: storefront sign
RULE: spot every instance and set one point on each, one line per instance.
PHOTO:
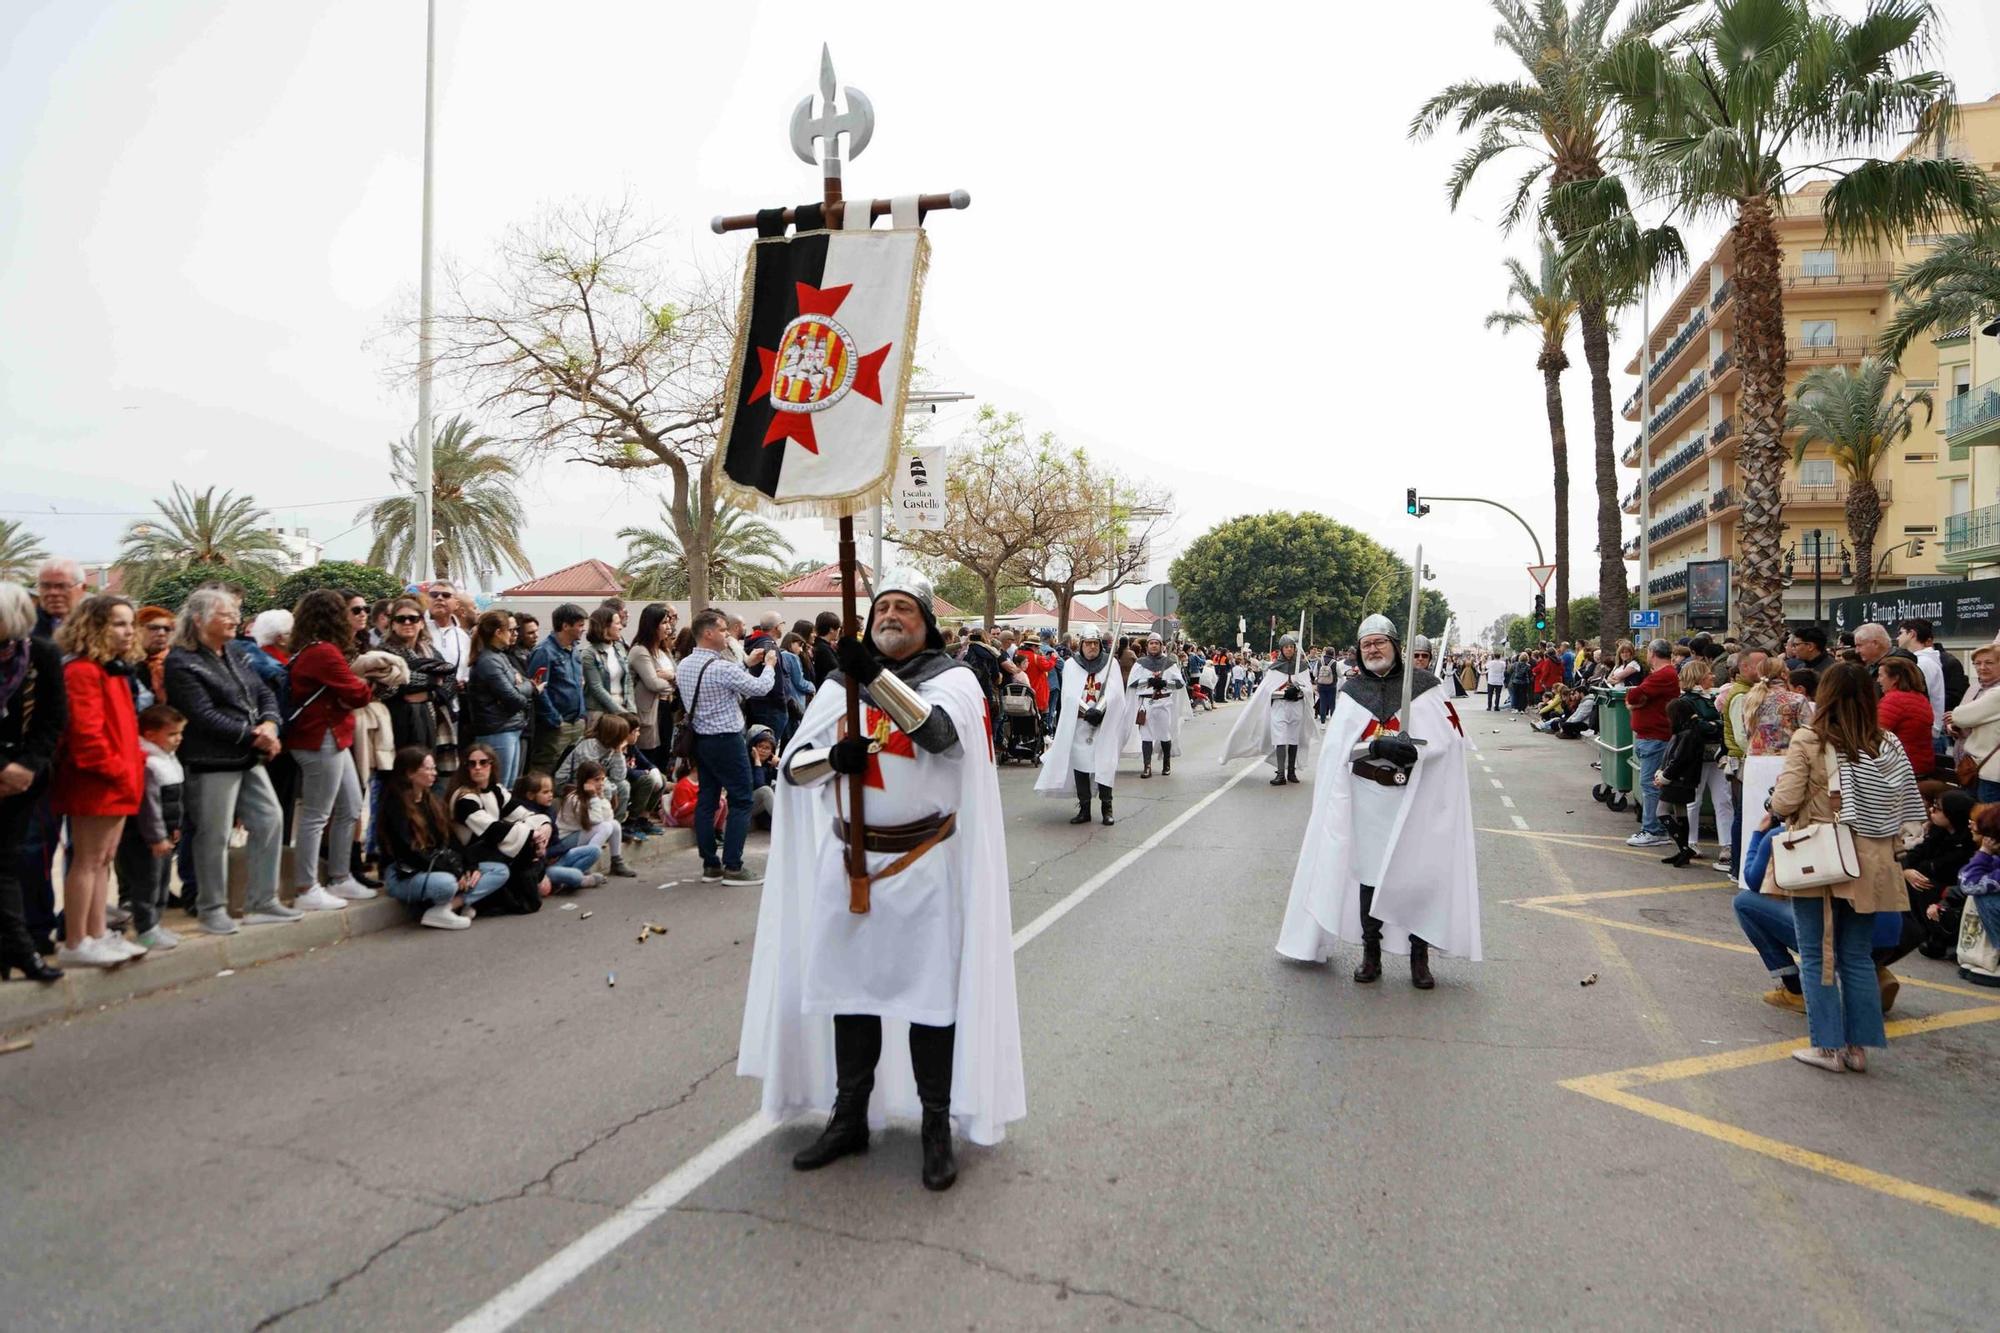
(1961, 612)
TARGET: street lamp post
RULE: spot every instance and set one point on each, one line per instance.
(424, 558)
(1819, 554)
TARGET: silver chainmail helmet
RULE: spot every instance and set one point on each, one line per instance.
(1420, 644)
(1380, 624)
(912, 583)
(1089, 634)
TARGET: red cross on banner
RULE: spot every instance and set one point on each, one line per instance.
(888, 740)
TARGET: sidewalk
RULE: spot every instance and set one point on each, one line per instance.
(83, 990)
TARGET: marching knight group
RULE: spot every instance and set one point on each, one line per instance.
(882, 980)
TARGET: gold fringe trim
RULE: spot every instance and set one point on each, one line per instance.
(852, 502)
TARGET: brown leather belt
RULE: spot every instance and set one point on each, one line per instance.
(902, 837)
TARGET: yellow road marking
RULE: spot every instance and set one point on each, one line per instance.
(1564, 840)
(1620, 893)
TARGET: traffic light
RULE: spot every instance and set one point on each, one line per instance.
(1410, 504)
(1916, 547)
(1541, 613)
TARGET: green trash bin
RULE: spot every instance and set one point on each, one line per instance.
(1614, 749)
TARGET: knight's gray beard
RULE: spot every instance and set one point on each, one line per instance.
(897, 644)
(1377, 662)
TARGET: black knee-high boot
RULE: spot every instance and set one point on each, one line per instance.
(1371, 940)
(930, 1060)
(857, 1044)
(1678, 828)
(1145, 759)
(1278, 761)
(1291, 763)
(1104, 799)
(1166, 757)
(1082, 797)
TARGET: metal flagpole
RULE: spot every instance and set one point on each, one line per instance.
(1410, 635)
(1645, 447)
(424, 557)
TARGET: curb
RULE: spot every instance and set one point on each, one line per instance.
(85, 990)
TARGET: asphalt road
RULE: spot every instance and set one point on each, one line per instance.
(391, 1133)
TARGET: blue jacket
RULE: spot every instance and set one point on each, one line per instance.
(561, 699)
(796, 684)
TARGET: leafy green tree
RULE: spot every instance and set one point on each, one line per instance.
(964, 590)
(1719, 118)
(224, 536)
(1520, 634)
(1584, 622)
(1950, 288)
(20, 551)
(369, 581)
(1544, 304)
(1861, 420)
(476, 518)
(1278, 564)
(747, 557)
(171, 589)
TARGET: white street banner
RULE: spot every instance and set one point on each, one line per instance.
(916, 500)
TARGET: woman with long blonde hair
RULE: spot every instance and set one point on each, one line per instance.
(100, 772)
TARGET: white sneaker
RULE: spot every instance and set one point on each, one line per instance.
(1645, 839)
(87, 954)
(159, 938)
(442, 917)
(273, 913)
(352, 890)
(118, 944)
(217, 923)
(317, 899)
(1722, 863)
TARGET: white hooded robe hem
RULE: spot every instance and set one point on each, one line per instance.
(1058, 767)
(1252, 733)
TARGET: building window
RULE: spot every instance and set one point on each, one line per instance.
(1961, 380)
(1816, 263)
(1816, 332)
(1961, 495)
(1816, 472)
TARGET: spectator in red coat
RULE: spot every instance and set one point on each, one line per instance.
(1548, 673)
(1651, 730)
(1036, 663)
(100, 772)
(1905, 709)
(324, 694)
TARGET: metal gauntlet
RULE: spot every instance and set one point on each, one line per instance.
(905, 707)
(809, 768)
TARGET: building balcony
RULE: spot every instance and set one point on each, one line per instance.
(1672, 583)
(1844, 277)
(1722, 296)
(1689, 394)
(1799, 495)
(1670, 364)
(1685, 517)
(1721, 369)
(1970, 538)
(1724, 501)
(1834, 352)
(1973, 418)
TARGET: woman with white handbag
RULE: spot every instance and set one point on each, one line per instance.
(1844, 794)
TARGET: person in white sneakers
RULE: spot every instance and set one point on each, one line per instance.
(145, 860)
(318, 733)
(421, 866)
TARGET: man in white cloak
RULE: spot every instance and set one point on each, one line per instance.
(1278, 721)
(1388, 856)
(932, 952)
(1156, 683)
(1088, 731)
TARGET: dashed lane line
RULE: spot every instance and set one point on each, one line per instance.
(1518, 821)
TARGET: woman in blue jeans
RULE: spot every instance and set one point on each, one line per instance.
(1836, 922)
(498, 698)
(421, 867)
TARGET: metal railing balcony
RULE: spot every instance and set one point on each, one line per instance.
(1722, 364)
(1836, 493)
(1973, 530)
(1672, 582)
(1970, 411)
(1726, 498)
(1843, 275)
(1851, 348)
(1678, 343)
(1722, 430)
(1721, 297)
(1683, 517)
(1688, 393)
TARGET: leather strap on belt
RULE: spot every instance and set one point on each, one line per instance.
(913, 840)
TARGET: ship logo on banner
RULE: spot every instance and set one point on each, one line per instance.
(822, 366)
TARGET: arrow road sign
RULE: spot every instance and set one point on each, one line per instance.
(1540, 574)
(1644, 619)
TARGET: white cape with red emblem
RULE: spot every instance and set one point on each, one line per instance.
(1252, 733)
(1103, 745)
(1413, 843)
(791, 1049)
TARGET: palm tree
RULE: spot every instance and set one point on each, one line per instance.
(1714, 114)
(226, 533)
(1558, 112)
(1952, 287)
(801, 568)
(476, 519)
(745, 556)
(1545, 304)
(1860, 421)
(20, 551)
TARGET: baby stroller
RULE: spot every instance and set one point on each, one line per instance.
(1021, 723)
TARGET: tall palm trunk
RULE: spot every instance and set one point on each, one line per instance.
(1553, 363)
(1864, 518)
(1760, 350)
(1611, 597)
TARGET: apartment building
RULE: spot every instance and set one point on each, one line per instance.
(1836, 301)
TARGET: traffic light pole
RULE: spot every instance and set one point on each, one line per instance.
(1481, 500)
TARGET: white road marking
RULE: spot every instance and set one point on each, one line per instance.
(586, 1251)
(1496, 782)
(1507, 801)
(1518, 821)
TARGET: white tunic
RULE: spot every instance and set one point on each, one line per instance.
(1079, 747)
(1161, 707)
(1291, 717)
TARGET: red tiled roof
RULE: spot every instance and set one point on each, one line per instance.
(1079, 614)
(824, 581)
(585, 578)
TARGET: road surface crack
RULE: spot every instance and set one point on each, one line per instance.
(539, 1186)
(1062, 1286)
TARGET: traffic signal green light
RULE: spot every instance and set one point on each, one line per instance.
(1410, 505)
(1541, 612)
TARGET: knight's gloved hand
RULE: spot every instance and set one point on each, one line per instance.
(1094, 716)
(855, 660)
(849, 756)
(1155, 683)
(1396, 749)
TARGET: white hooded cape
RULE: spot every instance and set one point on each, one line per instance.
(1174, 704)
(792, 1051)
(1430, 881)
(1252, 733)
(1055, 779)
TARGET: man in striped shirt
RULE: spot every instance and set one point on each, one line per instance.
(714, 687)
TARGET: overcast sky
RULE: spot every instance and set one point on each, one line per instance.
(1206, 253)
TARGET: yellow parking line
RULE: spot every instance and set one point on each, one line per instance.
(1621, 893)
(1566, 840)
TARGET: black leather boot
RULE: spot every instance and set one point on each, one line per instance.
(930, 1061)
(857, 1044)
(30, 965)
(357, 869)
(1420, 965)
(1145, 759)
(1278, 762)
(1291, 763)
(1371, 940)
(1104, 799)
(1082, 799)
(1166, 757)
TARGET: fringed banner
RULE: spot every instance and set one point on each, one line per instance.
(824, 338)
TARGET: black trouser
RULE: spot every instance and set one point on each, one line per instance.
(857, 1045)
(142, 877)
(1371, 927)
(1493, 698)
(29, 846)
(15, 814)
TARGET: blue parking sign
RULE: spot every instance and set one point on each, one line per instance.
(1645, 620)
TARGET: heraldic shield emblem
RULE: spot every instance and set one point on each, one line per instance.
(821, 369)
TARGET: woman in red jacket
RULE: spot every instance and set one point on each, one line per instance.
(1905, 708)
(324, 694)
(100, 772)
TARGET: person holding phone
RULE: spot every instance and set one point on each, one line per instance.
(559, 704)
(714, 687)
